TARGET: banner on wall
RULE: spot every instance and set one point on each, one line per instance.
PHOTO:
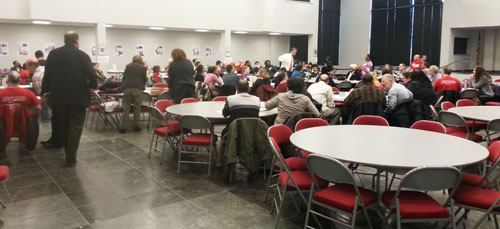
(208, 51)
(159, 50)
(139, 50)
(118, 50)
(4, 48)
(49, 47)
(93, 50)
(23, 48)
(196, 51)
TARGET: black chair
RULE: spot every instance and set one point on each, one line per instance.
(227, 90)
(345, 86)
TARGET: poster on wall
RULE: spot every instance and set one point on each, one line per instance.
(139, 50)
(118, 49)
(159, 50)
(196, 51)
(93, 50)
(4, 48)
(102, 50)
(208, 51)
(228, 52)
(49, 47)
(23, 49)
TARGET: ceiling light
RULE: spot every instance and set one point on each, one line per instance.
(241, 32)
(108, 25)
(39, 22)
(156, 28)
(275, 34)
(202, 30)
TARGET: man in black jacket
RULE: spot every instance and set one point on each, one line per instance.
(69, 77)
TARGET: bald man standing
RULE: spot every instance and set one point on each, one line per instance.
(322, 93)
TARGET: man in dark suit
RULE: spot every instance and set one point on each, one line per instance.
(69, 77)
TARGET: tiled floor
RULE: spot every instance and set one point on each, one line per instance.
(115, 185)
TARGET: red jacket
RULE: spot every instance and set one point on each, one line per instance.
(14, 121)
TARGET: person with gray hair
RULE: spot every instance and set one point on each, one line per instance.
(395, 92)
(322, 93)
(20, 102)
(433, 73)
(353, 73)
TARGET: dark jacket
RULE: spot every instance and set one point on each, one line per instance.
(134, 76)
(406, 113)
(422, 91)
(231, 79)
(180, 73)
(257, 84)
(69, 76)
(366, 108)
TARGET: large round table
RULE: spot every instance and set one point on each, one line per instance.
(389, 147)
(210, 110)
(478, 113)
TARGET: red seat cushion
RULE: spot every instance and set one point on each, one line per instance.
(461, 134)
(296, 164)
(475, 197)
(338, 104)
(492, 104)
(343, 197)
(416, 205)
(476, 124)
(4, 173)
(471, 179)
(303, 180)
(452, 129)
(199, 139)
(304, 153)
(174, 129)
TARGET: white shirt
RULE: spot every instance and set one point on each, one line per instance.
(322, 93)
(286, 61)
(37, 78)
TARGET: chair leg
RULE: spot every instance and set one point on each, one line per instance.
(309, 206)
(151, 145)
(3, 205)
(163, 150)
(280, 208)
(269, 180)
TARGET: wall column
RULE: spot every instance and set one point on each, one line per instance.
(489, 49)
(102, 52)
(225, 46)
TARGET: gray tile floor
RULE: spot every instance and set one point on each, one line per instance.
(115, 185)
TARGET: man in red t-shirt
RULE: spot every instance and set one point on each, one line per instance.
(447, 83)
(17, 98)
(416, 64)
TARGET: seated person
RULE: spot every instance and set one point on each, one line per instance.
(395, 92)
(241, 105)
(353, 73)
(19, 101)
(298, 72)
(280, 82)
(292, 102)
(314, 71)
(199, 73)
(262, 86)
(405, 78)
(156, 77)
(433, 73)
(480, 80)
(447, 82)
(230, 78)
(366, 93)
(212, 78)
(245, 73)
(421, 88)
(100, 77)
(322, 93)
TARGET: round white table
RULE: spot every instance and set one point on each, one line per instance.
(479, 113)
(389, 147)
(210, 110)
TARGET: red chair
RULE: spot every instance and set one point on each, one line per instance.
(334, 89)
(370, 120)
(345, 196)
(4, 177)
(492, 104)
(477, 199)
(162, 85)
(162, 105)
(410, 203)
(465, 103)
(479, 180)
(164, 131)
(220, 98)
(308, 123)
(429, 126)
(189, 100)
(457, 126)
(446, 105)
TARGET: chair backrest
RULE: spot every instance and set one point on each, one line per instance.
(162, 85)
(465, 103)
(220, 98)
(281, 133)
(329, 169)
(370, 120)
(310, 122)
(334, 89)
(345, 86)
(446, 105)
(162, 105)
(157, 116)
(469, 93)
(189, 100)
(147, 98)
(434, 113)
(493, 125)
(366, 108)
(452, 119)
(438, 101)
(431, 178)
(494, 152)
(429, 126)
(165, 95)
(278, 156)
(195, 122)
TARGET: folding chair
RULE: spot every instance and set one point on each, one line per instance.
(220, 98)
(477, 199)
(429, 126)
(344, 196)
(100, 110)
(205, 139)
(164, 96)
(459, 127)
(370, 120)
(446, 105)
(308, 123)
(162, 105)
(164, 131)
(434, 113)
(345, 86)
(189, 100)
(414, 205)
(469, 93)
(493, 126)
(465, 103)
(290, 181)
(483, 180)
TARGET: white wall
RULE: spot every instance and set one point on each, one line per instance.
(259, 48)
(355, 23)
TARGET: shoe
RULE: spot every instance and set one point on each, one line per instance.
(70, 164)
(122, 131)
(137, 129)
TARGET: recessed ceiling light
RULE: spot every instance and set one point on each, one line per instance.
(108, 25)
(275, 34)
(40, 22)
(241, 32)
(156, 28)
(202, 30)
